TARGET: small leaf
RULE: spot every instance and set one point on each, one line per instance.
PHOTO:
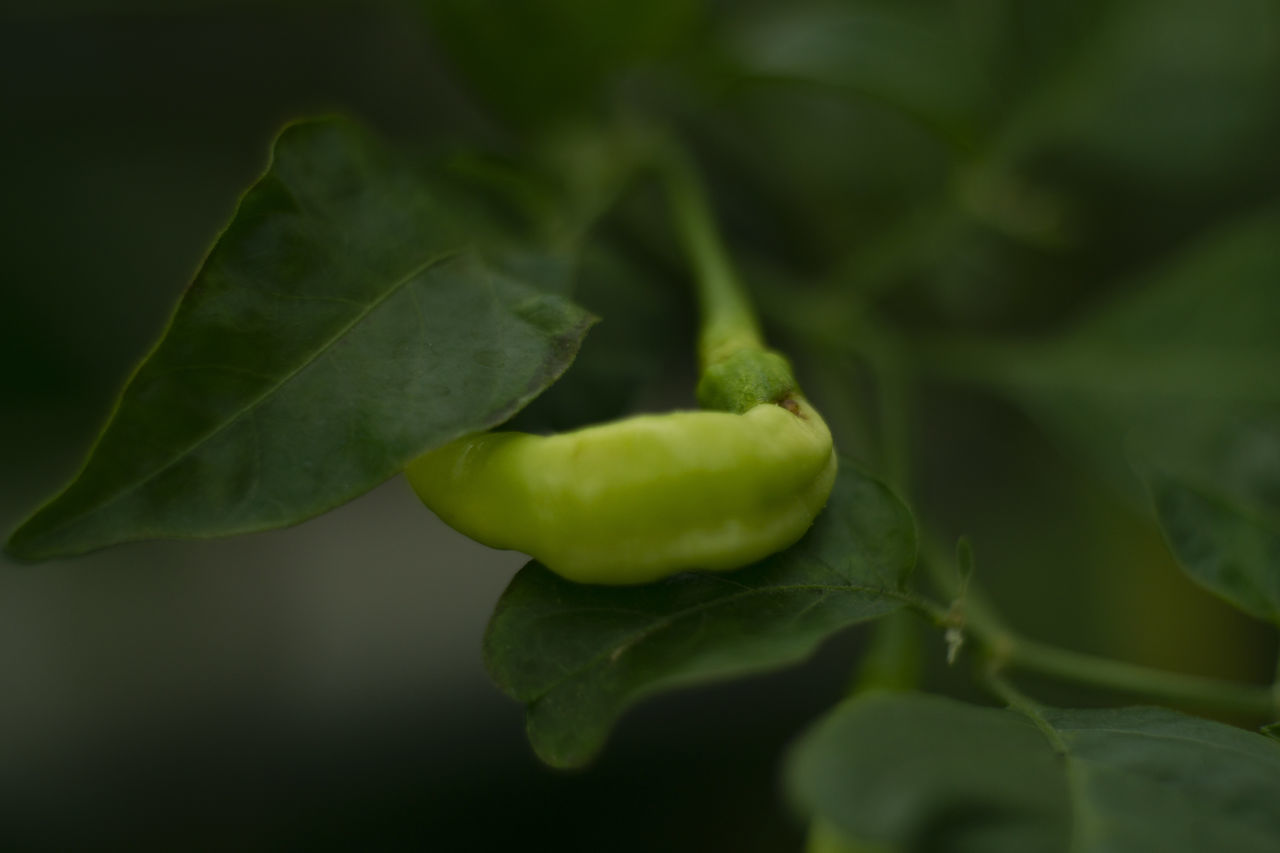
(578, 655)
(338, 328)
(1221, 545)
(919, 772)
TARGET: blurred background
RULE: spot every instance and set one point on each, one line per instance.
(976, 171)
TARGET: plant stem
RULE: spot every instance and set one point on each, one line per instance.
(728, 320)
(1191, 690)
(1022, 703)
(892, 660)
(1009, 649)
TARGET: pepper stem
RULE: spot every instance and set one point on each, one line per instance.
(737, 370)
(728, 321)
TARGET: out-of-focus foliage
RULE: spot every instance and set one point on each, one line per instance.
(925, 773)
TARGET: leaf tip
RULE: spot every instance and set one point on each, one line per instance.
(19, 547)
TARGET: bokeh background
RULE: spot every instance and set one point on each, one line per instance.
(321, 687)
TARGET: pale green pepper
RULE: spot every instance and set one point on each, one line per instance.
(642, 498)
(638, 499)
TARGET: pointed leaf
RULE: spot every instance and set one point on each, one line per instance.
(337, 329)
(578, 655)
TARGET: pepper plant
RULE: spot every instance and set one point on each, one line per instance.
(995, 201)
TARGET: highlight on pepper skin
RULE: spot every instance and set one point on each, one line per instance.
(642, 498)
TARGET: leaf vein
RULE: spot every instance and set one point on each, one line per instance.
(254, 403)
(627, 643)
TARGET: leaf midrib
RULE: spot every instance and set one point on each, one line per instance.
(398, 285)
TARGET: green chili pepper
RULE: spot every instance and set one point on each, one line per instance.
(643, 498)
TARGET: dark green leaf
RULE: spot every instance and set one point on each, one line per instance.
(920, 772)
(578, 655)
(339, 327)
(1153, 779)
(1222, 545)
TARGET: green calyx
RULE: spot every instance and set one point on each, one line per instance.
(746, 379)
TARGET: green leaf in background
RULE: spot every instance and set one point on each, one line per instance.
(1166, 92)
(341, 325)
(578, 655)
(1182, 355)
(906, 58)
(538, 61)
(1179, 377)
(1224, 546)
(918, 772)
